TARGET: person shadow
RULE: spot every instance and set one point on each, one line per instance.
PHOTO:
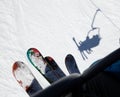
(85, 47)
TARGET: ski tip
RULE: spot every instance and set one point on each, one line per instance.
(16, 65)
(69, 57)
(49, 58)
(32, 51)
(51, 61)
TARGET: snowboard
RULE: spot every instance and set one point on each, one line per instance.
(71, 64)
(25, 78)
(55, 66)
(39, 62)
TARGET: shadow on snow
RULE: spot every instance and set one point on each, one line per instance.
(85, 47)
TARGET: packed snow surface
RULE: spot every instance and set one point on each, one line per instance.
(87, 29)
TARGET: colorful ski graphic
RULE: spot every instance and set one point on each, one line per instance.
(71, 64)
(38, 61)
(55, 66)
(25, 78)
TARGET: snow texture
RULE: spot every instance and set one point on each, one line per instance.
(56, 28)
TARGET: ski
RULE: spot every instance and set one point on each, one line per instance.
(25, 78)
(55, 66)
(71, 64)
(38, 61)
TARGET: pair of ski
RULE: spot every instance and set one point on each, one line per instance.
(45, 65)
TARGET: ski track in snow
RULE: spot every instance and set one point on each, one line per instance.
(50, 27)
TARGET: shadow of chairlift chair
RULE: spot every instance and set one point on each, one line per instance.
(71, 83)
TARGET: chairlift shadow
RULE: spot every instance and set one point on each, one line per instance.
(89, 43)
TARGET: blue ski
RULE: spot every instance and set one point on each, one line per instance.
(71, 65)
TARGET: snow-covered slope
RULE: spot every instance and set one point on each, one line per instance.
(50, 26)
